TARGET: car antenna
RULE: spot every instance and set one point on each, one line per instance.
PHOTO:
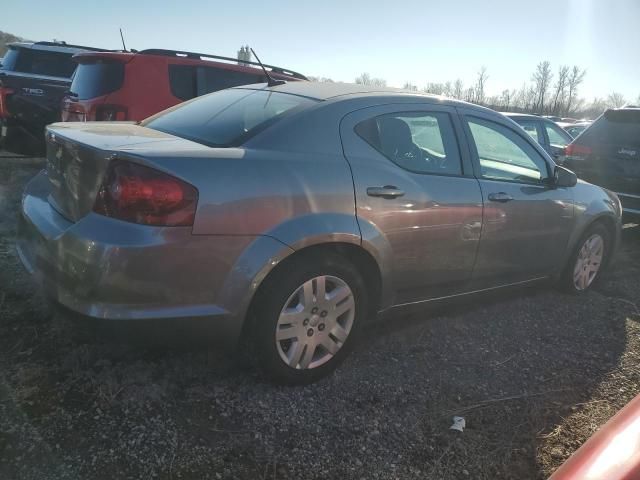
(271, 82)
(124, 47)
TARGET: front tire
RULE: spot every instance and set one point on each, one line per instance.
(588, 260)
(307, 317)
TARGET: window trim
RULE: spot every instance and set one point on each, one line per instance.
(475, 157)
(539, 129)
(424, 112)
(546, 134)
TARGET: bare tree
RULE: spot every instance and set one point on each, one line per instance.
(481, 81)
(505, 100)
(576, 77)
(531, 97)
(470, 94)
(560, 88)
(595, 108)
(447, 91)
(542, 79)
(493, 101)
(520, 98)
(320, 79)
(366, 79)
(435, 88)
(615, 100)
(458, 89)
(410, 86)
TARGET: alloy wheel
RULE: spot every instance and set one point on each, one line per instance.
(588, 262)
(315, 322)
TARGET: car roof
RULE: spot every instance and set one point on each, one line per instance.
(335, 90)
(60, 47)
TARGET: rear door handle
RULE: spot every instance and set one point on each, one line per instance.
(388, 191)
(500, 197)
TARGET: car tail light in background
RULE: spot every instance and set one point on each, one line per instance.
(111, 113)
(143, 195)
(575, 151)
(4, 93)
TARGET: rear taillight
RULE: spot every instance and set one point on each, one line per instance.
(4, 93)
(143, 195)
(575, 150)
(111, 113)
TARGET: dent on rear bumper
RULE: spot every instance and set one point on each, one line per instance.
(109, 269)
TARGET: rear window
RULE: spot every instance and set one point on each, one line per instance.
(43, 62)
(9, 60)
(97, 78)
(188, 82)
(615, 127)
(227, 117)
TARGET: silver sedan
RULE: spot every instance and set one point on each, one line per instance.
(290, 216)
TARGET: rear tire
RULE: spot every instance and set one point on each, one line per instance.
(587, 261)
(306, 318)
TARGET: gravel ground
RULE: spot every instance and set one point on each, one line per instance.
(533, 372)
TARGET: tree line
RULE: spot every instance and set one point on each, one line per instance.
(547, 92)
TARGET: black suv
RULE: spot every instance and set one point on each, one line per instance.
(33, 80)
(608, 154)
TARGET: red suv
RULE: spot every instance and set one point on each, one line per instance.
(135, 85)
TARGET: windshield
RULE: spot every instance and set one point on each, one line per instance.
(97, 78)
(228, 117)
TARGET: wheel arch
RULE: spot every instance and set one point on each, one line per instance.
(362, 259)
(608, 221)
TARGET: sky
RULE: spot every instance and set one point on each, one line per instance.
(410, 41)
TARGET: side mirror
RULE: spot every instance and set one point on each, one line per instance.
(563, 177)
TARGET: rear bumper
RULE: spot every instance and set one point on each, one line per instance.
(112, 270)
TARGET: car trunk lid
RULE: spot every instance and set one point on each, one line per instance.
(78, 156)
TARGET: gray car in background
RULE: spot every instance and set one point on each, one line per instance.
(290, 216)
(546, 132)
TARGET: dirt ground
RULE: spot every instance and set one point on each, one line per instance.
(533, 372)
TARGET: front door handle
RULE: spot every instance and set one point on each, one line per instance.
(501, 197)
(388, 191)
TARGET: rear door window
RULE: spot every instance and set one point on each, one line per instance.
(420, 142)
(188, 81)
(182, 81)
(557, 137)
(212, 79)
(97, 78)
(44, 62)
(531, 127)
